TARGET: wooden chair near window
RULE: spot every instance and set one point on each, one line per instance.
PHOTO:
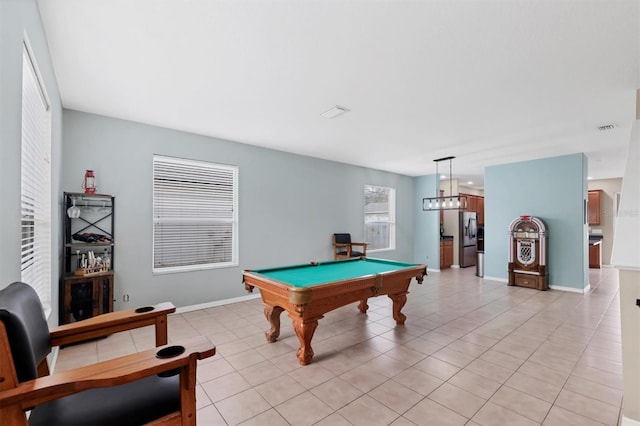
(155, 385)
(343, 247)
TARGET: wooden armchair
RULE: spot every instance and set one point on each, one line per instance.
(154, 386)
(343, 247)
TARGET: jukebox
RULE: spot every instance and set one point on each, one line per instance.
(528, 253)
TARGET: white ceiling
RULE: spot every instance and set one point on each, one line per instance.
(489, 82)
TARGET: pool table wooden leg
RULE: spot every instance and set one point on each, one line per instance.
(399, 301)
(362, 306)
(273, 316)
(304, 330)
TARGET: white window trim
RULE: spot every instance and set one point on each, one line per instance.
(233, 170)
(392, 220)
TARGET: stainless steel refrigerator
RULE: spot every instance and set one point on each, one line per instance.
(468, 239)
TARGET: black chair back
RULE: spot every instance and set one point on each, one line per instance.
(27, 329)
(342, 238)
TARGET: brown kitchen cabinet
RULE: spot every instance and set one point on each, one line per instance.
(475, 203)
(472, 203)
(595, 255)
(446, 253)
(594, 206)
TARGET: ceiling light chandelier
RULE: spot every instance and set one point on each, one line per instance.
(451, 202)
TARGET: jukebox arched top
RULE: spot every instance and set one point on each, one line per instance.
(527, 225)
(528, 252)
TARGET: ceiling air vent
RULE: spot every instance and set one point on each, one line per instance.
(606, 127)
(334, 112)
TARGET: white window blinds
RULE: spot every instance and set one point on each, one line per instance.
(35, 200)
(195, 215)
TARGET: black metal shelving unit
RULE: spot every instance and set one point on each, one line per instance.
(87, 293)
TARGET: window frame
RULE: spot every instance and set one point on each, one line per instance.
(188, 220)
(391, 212)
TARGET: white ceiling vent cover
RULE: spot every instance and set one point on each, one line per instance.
(335, 112)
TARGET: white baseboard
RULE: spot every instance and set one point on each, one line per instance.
(502, 280)
(626, 421)
(552, 287)
(54, 358)
(217, 303)
(571, 289)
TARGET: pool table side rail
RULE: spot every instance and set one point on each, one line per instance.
(251, 280)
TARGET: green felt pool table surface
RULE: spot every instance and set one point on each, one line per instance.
(307, 275)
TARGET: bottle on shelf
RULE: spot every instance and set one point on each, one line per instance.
(106, 260)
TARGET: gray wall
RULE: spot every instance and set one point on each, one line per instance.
(289, 205)
(17, 18)
(553, 189)
(427, 224)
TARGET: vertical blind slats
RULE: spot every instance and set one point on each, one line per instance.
(35, 245)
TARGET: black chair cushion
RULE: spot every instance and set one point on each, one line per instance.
(353, 253)
(133, 403)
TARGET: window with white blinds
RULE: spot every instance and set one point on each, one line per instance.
(195, 214)
(379, 217)
(35, 198)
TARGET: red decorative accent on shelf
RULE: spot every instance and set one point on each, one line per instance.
(89, 182)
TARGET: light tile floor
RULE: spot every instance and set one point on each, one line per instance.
(472, 352)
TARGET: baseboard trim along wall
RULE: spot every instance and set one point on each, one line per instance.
(626, 421)
(217, 303)
(552, 287)
(53, 358)
(502, 280)
(571, 289)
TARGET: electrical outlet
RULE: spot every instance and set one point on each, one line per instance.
(125, 297)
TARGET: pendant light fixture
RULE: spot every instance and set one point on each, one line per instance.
(450, 202)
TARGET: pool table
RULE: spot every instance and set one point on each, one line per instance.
(308, 291)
